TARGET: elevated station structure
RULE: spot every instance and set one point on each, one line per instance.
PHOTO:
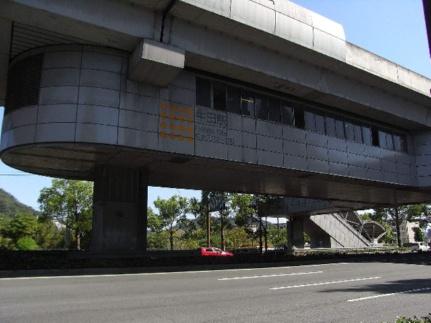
(259, 96)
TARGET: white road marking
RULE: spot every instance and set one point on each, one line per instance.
(169, 272)
(273, 275)
(326, 283)
(389, 294)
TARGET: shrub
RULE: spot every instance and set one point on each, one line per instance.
(26, 243)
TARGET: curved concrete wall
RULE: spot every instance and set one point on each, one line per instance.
(85, 97)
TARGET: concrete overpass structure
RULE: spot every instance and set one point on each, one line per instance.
(258, 96)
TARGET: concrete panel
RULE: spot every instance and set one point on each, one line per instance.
(269, 129)
(249, 155)
(185, 80)
(294, 11)
(294, 148)
(356, 148)
(176, 146)
(356, 160)
(294, 30)
(269, 158)
(315, 165)
(220, 7)
(329, 45)
(55, 132)
(316, 139)
(58, 95)
(94, 133)
(294, 134)
(181, 96)
(234, 153)
(253, 14)
(234, 121)
(210, 149)
(269, 144)
(57, 113)
(19, 136)
(373, 163)
(101, 79)
(315, 152)
(97, 114)
(60, 77)
(20, 117)
(138, 139)
(139, 103)
(66, 59)
(249, 140)
(103, 62)
(139, 121)
(374, 174)
(338, 169)
(328, 26)
(358, 172)
(295, 162)
(97, 96)
(249, 125)
(234, 137)
(337, 156)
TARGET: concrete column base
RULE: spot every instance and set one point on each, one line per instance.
(119, 210)
(296, 232)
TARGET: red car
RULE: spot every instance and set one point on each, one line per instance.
(214, 252)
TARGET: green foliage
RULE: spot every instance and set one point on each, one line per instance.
(69, 203)
(26, 243)
(9, 205)
(414, 319)
(419, 235)
(277, 237)
(170, 211)
(22, 225)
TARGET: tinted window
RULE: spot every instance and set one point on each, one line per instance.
(299, 118)
(357, 133)
(203, 92)
(287, 114)
(247, 103)
(367, 136)
(261, 107)
(330, 126)
(309, 121)
(320, 123)
(375, 137)
(348, 129)
(219, 94)
(389, 141)
(233, 99)
(339, 129)
(274, 110)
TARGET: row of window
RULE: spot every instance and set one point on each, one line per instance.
(224, 97)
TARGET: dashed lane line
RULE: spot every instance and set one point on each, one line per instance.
(389, 294)
(270, 276)
(326, 283)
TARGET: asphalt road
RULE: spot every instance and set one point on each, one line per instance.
(340, 292)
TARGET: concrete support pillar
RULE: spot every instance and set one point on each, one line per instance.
(120, 210)
(296, 232)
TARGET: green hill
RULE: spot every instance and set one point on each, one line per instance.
(10, 206)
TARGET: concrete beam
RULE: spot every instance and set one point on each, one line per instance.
(155, 63)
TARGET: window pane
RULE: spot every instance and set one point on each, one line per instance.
(348, 127)
(375, 135)
(287, 114)
(339, 129)
(274, 110)
(203, 92)
(403, 143)
(382, 139)
(219, 94)
(310, 123)
(247, 104)
(330, 126)
(233, 99)
(261, 107)
(357, 133)
(389, 141)
(299, 117)
(366, 135)
(320, 123)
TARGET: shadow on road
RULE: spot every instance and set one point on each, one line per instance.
(408, 286)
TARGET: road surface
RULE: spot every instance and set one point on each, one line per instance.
(340, 292)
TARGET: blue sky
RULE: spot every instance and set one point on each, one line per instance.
(394, 29)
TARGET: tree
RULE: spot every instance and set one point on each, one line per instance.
(69, 202)
(170, 211)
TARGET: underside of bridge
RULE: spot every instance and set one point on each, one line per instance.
(202, 95)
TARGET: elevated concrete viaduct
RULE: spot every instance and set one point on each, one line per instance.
(234, 95)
